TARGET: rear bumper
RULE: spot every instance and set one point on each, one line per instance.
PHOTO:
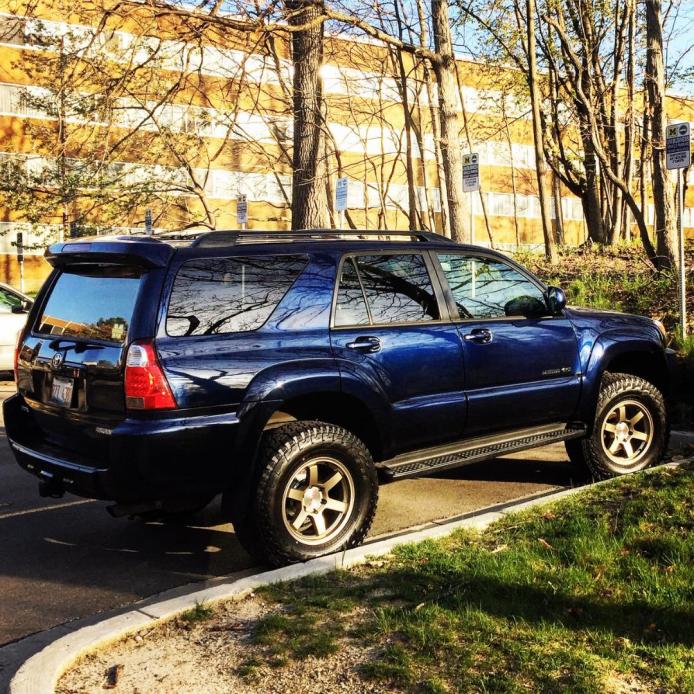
(141, 459)
(82, 480)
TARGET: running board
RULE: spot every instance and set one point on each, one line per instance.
(473, 450)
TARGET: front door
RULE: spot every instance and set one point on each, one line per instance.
(521, 364)
(388, 333)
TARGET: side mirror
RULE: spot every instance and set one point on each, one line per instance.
(24, 307)
(556, 300)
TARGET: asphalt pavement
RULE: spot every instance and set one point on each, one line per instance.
(63, 559)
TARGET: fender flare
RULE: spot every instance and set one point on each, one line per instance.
(609, 346)
(266, 394)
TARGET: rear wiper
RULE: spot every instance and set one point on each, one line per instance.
(78, 345)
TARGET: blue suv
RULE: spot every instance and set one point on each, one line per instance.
(293, 371)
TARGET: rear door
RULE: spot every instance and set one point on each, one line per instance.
(521, 364)
(388, 330)
(71, 360)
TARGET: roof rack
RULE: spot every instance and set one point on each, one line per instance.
(238, 236)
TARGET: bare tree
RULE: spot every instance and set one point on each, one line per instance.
(309, 202)
(452, 159)
(540, 164)
(663, 194)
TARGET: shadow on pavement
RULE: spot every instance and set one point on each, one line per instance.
(71, 562)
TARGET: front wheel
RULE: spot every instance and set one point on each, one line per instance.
(317, 493)
(630, 431)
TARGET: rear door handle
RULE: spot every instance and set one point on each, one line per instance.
(365, 344)
(480, 336)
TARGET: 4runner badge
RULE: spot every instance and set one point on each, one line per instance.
(563, 371)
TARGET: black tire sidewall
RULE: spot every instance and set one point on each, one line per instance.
(281, 546)
(628, 388)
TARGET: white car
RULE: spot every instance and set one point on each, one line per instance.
(14, 307)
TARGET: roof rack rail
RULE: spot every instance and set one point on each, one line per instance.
(223, 238)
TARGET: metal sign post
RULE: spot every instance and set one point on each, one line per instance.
(341, 190)
(678, 155)
(149, 229)
(242, 211)
(471, 184)
(20, 259)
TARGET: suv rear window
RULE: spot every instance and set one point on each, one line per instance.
(213, 296)
(92, 303)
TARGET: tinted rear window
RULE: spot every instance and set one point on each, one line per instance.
(397, 289)
(92, 303)
(211, 296)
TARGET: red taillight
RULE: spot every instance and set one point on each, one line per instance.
(146, 387)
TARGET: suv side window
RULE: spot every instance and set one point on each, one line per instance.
(350, 308)
(382, 289)
(489, 288)
(213, 296)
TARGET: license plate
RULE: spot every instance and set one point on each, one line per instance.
(61, 391)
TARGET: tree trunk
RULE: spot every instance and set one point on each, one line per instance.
(630, 124)
(412, 201)
(663, 194)
(451, 155)
(309, 204)
(540, 163)
(413, 216)
(558, 212)
(591, 197)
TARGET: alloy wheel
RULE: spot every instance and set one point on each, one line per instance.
(627, 432)
(318, 500)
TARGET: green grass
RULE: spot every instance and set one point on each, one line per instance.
(589, 595)
(615, 277)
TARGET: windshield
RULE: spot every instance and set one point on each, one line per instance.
(92, 302)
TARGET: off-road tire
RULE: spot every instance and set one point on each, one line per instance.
(263, 531)
(615, 387)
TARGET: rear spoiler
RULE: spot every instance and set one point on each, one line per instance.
(143, 251)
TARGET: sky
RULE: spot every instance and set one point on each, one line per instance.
(681, 46)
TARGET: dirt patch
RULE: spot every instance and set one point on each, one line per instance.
(212, 656)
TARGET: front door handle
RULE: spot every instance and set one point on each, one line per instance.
(365, 344)
(480, 336)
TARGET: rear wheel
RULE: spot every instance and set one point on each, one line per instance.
(630, 431)
(317, 493)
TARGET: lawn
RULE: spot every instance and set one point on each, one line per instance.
(593, 594)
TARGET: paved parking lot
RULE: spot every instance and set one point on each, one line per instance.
(65, 559)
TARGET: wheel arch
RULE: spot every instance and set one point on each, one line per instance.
(338, 408)
(622, 354)
(651, 366)
(329, 405)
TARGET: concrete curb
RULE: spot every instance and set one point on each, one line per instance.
(40, 673)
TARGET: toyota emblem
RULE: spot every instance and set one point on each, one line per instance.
(57, 360)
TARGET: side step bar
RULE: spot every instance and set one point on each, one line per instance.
(473, 450)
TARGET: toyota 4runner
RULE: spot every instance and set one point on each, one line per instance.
(293, 371)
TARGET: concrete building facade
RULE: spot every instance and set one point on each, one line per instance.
(181, 120)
